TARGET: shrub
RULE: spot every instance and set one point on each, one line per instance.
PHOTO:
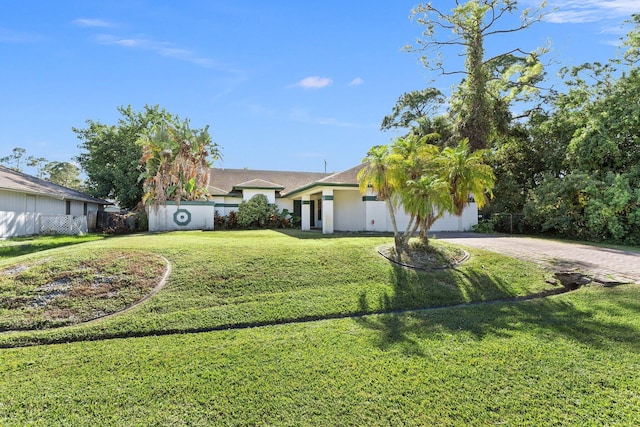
(255, 212)
(232, 220)
(219, 221)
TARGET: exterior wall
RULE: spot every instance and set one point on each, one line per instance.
(285, 204)
(224, 205)
(248, 193)
(376, 213)
(49, 206)
(77, 208)
(187, 216)
(20, 213)
(11, 201)
(349, 212)
(352, 211)
(448, 222)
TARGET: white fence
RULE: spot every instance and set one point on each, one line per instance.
(14, 224)
(63, 224)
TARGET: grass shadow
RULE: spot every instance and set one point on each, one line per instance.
(594, 322)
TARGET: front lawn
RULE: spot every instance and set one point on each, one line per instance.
(570, 359)
(237, 279)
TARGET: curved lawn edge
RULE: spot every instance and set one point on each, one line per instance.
(102, 336)
(154, 291)
(443, 267)
(161, 283)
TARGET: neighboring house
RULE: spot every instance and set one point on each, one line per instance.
(29, 205)
(331, 202)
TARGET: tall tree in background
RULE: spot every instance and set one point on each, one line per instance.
(63, 173)
(417, 111)
(176, 162)
(110, 157)
(15, 159)
(490, 83)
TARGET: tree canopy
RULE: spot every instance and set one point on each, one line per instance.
(176, 162)
(110, 156)
(490, 82)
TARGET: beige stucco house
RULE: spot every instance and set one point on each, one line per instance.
(327, 201)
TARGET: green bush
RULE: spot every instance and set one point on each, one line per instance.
(584, 206)
(255, 212)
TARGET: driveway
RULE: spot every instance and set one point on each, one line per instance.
(602, 264)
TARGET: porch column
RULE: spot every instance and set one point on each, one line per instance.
(327, 211)
(306, 213)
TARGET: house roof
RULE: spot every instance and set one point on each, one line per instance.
(227, 181)
(19, 182)
(347, 178)
(259, 183)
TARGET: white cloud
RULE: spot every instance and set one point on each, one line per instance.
(582, 11)
(356, 82)
(86, 22)
(313, 82)
(161, 48)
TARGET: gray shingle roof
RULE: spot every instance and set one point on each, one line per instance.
(259, 183)
(226, 181)
(16, 181)
(223, 181)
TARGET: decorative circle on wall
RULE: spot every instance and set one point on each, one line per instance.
(182, 217)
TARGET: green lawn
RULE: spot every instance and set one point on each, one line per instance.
(571, 359)
(26, 245)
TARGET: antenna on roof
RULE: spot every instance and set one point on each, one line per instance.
(325, 165)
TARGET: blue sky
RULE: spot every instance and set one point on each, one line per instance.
(283, 85)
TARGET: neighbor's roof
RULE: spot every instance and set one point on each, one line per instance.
(19, 182)
(225, 181)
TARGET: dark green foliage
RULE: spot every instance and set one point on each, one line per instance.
(574, 170)
(15, 159)
(490, 82)
(581, 206)
(415, 111)
(110, 157)
(255, 212)
(63, 173)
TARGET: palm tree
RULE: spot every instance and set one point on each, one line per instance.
(377, 173)
(176, 162)
(427, 199)
(467, 175)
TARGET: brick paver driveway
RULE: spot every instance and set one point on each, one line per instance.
(602, 264)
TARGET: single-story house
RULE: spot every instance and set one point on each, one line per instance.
(30, 205)
(328, 201)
